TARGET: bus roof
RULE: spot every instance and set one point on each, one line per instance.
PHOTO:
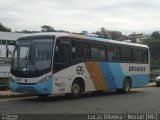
(61, 34)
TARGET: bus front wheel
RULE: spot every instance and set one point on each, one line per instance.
(43, 96)
(75, 90)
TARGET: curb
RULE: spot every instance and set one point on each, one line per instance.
(15, 96)
(152, 84)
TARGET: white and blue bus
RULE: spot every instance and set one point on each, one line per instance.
(54, 63)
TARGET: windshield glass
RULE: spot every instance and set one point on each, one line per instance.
(24, 58)
(42, 54)
(33, 55)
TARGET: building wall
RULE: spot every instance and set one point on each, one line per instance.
(6, 38)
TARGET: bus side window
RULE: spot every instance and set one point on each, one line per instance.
(145, 56)
(137, 55)
(98, 51)
(80, 50)
(62, 54)
(113, 53)
(126, 54)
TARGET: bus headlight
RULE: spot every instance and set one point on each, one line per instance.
(44, 79)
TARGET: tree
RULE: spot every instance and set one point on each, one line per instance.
(156, 35)
(3, 28)
(46, 28)
(102, 33)
(154, 45)
(24, 31)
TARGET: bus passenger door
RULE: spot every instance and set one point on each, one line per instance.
(61, 57)
(60, 68)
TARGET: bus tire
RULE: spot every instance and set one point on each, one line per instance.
(76, 90)
(43, 96)
(119, 91)
(126, 85)
(158, 83)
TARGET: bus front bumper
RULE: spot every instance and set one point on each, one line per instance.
(32, 88)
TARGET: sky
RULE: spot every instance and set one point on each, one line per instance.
(127, 16)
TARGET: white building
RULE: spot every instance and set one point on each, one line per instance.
(6, 38)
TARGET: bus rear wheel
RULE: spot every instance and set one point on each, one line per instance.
(126, 86)
(158, 83)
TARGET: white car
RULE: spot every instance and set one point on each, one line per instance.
(157, 81)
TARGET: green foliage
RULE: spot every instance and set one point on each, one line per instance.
(46, 28)
(101, 34)
(26, 31)
(155, 35)
(155, 64)
(3, 28)
(154, 45)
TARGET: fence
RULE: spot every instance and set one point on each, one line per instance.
(4, 80)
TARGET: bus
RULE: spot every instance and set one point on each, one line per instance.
(54, 63)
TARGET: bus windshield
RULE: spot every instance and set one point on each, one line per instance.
(33, 55)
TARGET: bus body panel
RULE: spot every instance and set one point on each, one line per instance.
(100, 76)
(96, 76)
(63, 79)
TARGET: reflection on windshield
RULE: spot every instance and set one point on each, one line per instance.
(33, 57)
(14, 61)
(43, 54)
(24, 58)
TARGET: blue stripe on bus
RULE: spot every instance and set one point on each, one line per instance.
(47, 85)
(139, 80)
(113, 74)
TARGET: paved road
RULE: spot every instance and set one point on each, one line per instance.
(141, 100)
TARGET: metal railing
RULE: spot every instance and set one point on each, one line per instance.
(4, 74)
(4, 80)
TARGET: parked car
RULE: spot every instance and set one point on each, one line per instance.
(157, 80)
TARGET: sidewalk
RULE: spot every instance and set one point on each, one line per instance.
(152, 84)
(9, 94)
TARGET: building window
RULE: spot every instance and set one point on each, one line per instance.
(9, 41)
(3, 42)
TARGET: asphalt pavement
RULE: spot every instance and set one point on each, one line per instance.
(140, 100)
